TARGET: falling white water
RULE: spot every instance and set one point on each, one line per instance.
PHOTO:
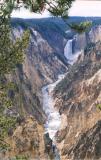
(53, 117)
(68, 49)
(68, 52)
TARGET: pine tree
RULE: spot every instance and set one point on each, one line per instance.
(11, 54)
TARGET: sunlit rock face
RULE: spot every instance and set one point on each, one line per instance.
(77, 97)
(41, 66)
(41, 61)
(88, 145)
(80, 42)
(95, 34)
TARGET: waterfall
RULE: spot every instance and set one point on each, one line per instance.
(68, 49)
(68, 52)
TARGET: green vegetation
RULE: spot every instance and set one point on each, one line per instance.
(55, 7)
(98, 106)
(11, 54)
(81, 27)
(20, 157)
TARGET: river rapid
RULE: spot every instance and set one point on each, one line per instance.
(53, 121)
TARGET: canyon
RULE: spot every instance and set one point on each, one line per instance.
(60, 84)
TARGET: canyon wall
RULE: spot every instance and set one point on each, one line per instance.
(75, 96)
(45, 59)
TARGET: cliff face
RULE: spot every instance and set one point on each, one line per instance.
(88, 145)
(41, 66)
(77, 97)
(26, 142)
(85, 39)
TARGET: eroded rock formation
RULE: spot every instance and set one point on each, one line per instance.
(77, 97)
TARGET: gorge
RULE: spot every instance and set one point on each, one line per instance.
(60, 82)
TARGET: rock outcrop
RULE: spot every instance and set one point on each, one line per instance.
(77, 97)
(81, 41)
(88, 146)
(41, 66)
(27, 140)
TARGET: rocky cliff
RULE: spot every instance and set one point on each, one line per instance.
(26, 141)
(77, 97)
(43, 62)
(88, 145)
(85, 39)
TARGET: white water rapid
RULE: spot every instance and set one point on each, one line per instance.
(68, 52)
(53, 121)
(53, 117)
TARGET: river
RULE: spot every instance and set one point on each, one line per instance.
(53, 121)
